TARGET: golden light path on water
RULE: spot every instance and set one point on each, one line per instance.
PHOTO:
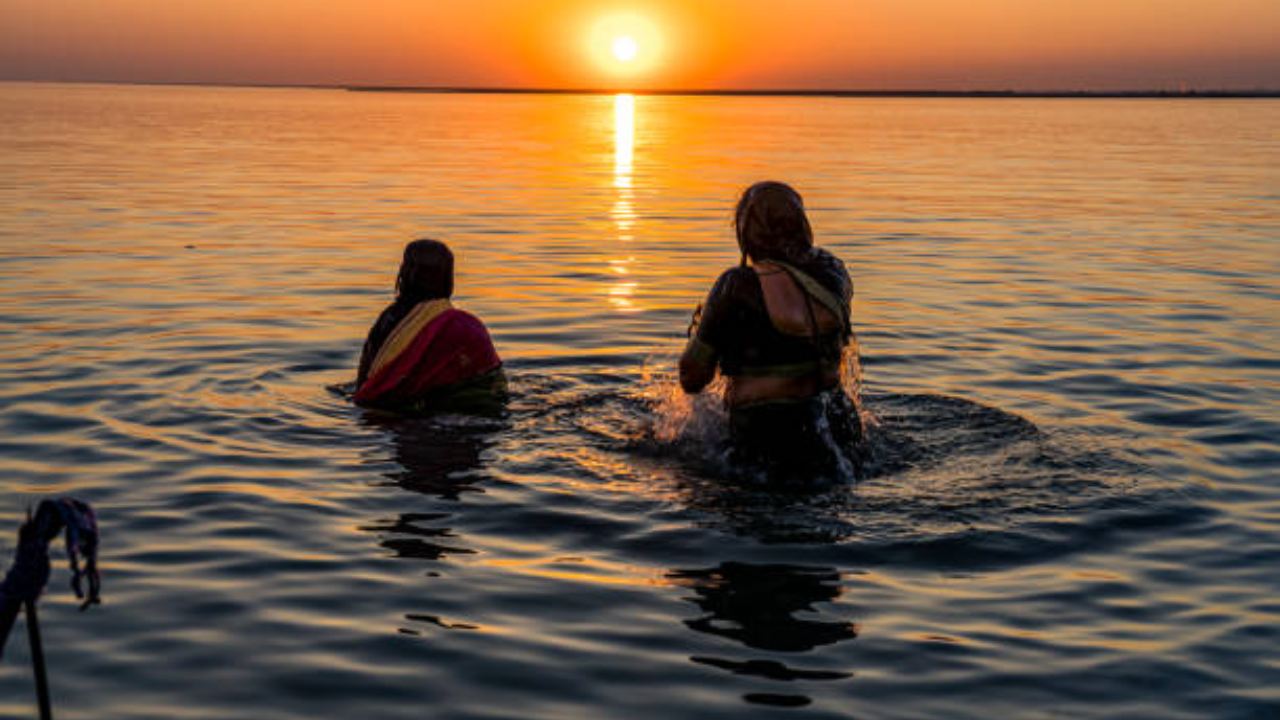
(1067, 311)
(624, 213)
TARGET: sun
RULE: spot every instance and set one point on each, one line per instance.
(625, 48)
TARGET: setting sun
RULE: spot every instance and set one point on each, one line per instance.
(625, 49)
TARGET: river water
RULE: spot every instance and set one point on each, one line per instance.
(1067, 312)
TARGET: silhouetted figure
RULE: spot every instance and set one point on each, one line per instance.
(422, 353)
(777, 327)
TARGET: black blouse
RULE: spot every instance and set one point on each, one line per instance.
(735, 329)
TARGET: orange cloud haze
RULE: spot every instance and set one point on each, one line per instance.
(871, 44)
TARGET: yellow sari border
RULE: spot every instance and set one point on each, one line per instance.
(407, 331)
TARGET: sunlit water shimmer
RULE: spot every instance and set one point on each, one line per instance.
(1067, 311)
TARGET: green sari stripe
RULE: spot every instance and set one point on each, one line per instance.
(815, 290)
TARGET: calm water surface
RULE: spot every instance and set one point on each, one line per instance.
(1068, 318)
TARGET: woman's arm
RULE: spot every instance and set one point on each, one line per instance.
(706, 331)
(695, 371)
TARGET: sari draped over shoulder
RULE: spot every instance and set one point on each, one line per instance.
(434, 346)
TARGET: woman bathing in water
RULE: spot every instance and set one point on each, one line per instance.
(777, 327)
(422, 353)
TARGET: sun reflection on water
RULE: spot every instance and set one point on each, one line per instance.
(624, 138)
(624, 148)
(621, 292)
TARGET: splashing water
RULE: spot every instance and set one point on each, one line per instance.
(696, 426)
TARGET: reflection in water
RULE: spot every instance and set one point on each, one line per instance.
(435, 620)
(756, 605)
(422, 543)
(624, 213)
(439, 456)
(624, 139)
(624, 150)
(623, 288)
(435, 459)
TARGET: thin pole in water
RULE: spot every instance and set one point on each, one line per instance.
(37, 661)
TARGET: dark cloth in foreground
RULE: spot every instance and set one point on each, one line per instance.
(30, 571)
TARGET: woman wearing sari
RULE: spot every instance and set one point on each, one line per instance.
(423, 353)
(778, 327)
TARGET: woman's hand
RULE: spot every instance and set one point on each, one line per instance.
(694, 376)
(694, 322)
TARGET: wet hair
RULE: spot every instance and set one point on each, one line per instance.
(771, 224)
(426, 272)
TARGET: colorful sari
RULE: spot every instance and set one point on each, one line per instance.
(433, 347)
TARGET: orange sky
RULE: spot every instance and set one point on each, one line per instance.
(746, 44)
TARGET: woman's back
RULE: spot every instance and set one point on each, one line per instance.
(777, 331)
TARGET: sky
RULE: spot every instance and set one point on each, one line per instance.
(677, 44)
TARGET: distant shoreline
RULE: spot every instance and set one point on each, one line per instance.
(1168, 94)
(706, 92)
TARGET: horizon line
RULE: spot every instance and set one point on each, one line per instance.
(1210, 93)
(821, 92)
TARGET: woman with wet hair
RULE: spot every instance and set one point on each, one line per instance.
(423, 353)
(777, 327)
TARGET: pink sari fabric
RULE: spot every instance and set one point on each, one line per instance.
(453, 346)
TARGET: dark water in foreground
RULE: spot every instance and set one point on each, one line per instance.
(1068, 316)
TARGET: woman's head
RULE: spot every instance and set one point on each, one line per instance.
(771, 223)
(426, 272)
